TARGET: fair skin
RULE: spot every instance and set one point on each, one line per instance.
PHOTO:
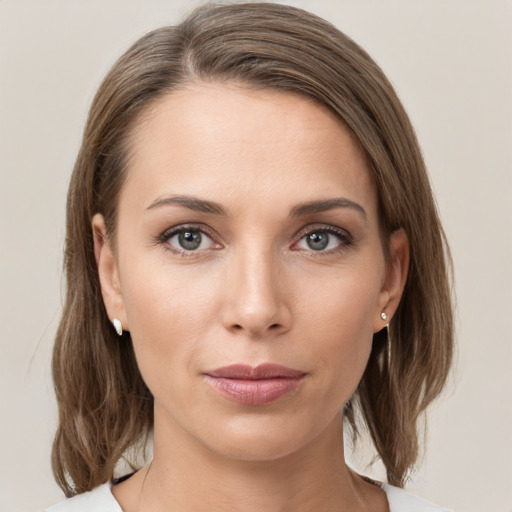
(261, 277)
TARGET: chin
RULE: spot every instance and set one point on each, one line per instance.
(262, 440)
(258, 449)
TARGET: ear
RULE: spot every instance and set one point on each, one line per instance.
(108, 271)
(397, 267)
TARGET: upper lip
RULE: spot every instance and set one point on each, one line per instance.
(262, 371)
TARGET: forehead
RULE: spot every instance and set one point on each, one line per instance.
(228, 141)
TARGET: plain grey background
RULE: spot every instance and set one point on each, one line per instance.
(451, 63)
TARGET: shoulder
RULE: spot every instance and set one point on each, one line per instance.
(100, 499)
(402, 501)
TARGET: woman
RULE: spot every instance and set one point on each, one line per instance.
(254, 258)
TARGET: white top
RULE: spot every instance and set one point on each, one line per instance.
(101, 499)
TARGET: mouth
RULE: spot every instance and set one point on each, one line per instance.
(259, 385)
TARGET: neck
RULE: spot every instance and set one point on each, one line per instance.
(187, 476)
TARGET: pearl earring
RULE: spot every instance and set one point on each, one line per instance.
(384, 316)
(118, 326)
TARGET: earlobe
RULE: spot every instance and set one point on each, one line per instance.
(397, 267)
(108, 272)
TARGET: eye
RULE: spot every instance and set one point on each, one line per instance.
(324, 240)
(185, 239)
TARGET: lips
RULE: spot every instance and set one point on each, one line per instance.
(258, 385)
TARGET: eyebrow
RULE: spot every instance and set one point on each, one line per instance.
(300, 210)
(326, 205)
(190, 202)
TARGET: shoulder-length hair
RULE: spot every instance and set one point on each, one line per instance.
(104, 405)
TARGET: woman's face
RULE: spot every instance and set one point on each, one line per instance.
(249, 267)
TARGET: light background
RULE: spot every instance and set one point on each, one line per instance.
(451, 63)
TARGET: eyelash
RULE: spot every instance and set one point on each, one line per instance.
(344, 238)
(165, 237)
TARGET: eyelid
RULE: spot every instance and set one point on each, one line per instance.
(168, 233)
(345, 238)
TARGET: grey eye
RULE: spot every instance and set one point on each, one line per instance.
(190, 240)
(185, 240)
(318, 241)
(323, 240)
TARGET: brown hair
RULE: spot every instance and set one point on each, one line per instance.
(104, 406)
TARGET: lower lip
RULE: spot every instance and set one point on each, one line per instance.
(254, 392)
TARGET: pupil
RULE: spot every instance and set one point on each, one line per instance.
(318, 241)
(190, 240)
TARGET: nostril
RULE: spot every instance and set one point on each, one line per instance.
(272, 327)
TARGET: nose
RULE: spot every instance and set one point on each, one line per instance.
(256, 298)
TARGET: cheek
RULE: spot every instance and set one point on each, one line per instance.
(343, 300)
(169, 314)
(339, 321)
